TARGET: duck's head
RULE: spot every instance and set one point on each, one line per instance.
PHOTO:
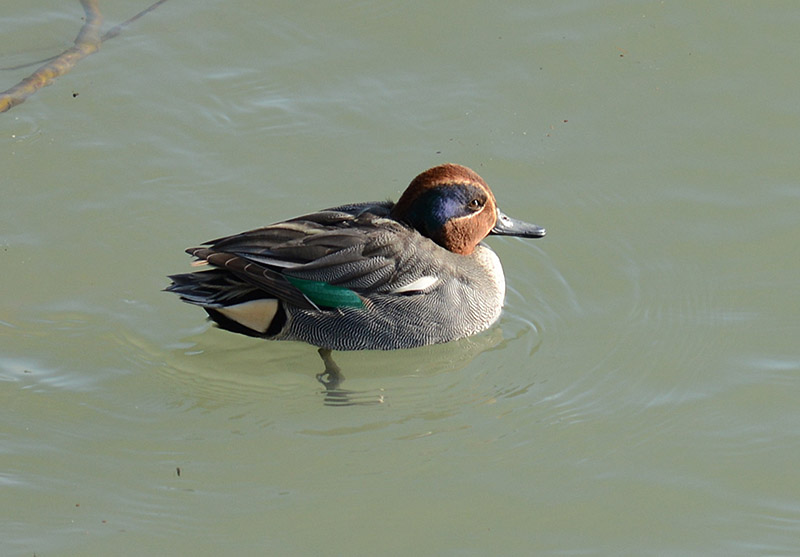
(453, 206)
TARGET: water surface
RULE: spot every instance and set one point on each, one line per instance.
(639, 395)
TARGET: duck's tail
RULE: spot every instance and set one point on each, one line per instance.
(234, 305)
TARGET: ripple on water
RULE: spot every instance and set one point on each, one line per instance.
(235, 366)
(24, 130)
(47, 352)
(428, 383)
(619, 343)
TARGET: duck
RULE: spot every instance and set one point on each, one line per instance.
(364, 276)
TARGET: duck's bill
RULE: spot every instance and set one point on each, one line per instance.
(506, 226)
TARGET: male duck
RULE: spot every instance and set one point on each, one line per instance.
(364, 276)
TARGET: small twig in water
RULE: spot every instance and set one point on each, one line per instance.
(87, 42)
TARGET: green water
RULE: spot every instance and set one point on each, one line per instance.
(639, 395)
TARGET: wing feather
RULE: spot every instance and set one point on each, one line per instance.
(354, 246)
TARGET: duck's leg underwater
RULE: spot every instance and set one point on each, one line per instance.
(332, 377)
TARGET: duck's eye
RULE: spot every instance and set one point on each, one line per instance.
(476, 204)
